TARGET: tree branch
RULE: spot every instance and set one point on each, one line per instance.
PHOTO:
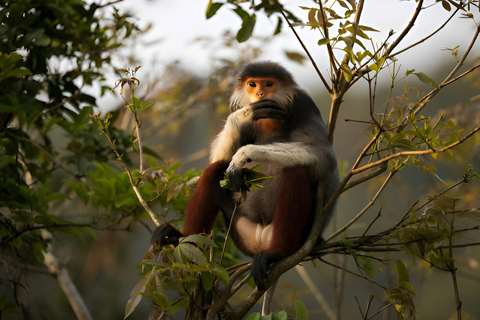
(407, 28)
(68, 287)
(45, 152)
(361, 213)
(426, 38)
(314, 64)
(144, 204)
(413, 153)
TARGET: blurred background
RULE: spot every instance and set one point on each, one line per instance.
(188, 71)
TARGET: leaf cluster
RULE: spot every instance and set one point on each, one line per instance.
(183, 269)
(48, 144)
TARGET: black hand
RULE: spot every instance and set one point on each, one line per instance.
(267, 108)
(235, 176)
(260, 266)
(166, 234)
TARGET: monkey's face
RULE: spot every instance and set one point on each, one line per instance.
(261, 88)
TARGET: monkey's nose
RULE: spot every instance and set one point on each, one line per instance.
(260, 94)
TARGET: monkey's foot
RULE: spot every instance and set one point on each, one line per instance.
(260, 266)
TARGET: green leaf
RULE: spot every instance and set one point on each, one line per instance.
(402, 274)
(301, 310)
(212, 8)
(17, 242)
(278, 28)
(57, 196)
(295, 56)
(5, 160)
(219, 272)
(403, 278)
(135, 297)
(80, 189)
(279, 315)
(186, 252)
(254, 316)
(367, 28)
(246, 30)
(323, 41)
(367, 266)
(241, 13)
(207, 281)
(426, 79)
(198, 238)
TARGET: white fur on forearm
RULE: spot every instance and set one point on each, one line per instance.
(286, 154)
(228, 140)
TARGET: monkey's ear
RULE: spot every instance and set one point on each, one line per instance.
(288, 78)
(240, 79)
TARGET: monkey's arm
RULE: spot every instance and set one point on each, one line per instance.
(237, 128)
(286, 154)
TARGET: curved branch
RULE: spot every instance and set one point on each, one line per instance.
(447, 80)
(361, 213)
(331, 56)
(426, 38)
(413, 153)
(42, 149)
(354, 274)
(367, 177)
(304, 47)
(144, 204)
(228, 292)
(407, 28)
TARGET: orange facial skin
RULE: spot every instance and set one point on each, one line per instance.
(260, 88)
(263, 88)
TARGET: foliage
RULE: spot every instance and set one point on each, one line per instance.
(401, 134)
(52, 156)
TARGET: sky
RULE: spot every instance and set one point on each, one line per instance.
(178, 23)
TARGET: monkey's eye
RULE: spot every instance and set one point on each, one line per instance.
(269, 84)
(252, 84)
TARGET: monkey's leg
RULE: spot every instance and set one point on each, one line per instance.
(203, 206)
(292, 210)
(288, 224)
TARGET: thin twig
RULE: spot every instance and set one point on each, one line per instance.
(61, 103)
(369, 303)
(367, 177)
(426, 38)
(407, 28)
(268, 299)
(354, 274)
(448, 79)
(228, 233)
(227, 293)
(45, 152)
(432, 93)
(140, 150)
(380, 310)
(314, 64)
(413, 153)
(144, 204)
(314, 290)
(365, 150)
(331, 56)
(361, 213)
